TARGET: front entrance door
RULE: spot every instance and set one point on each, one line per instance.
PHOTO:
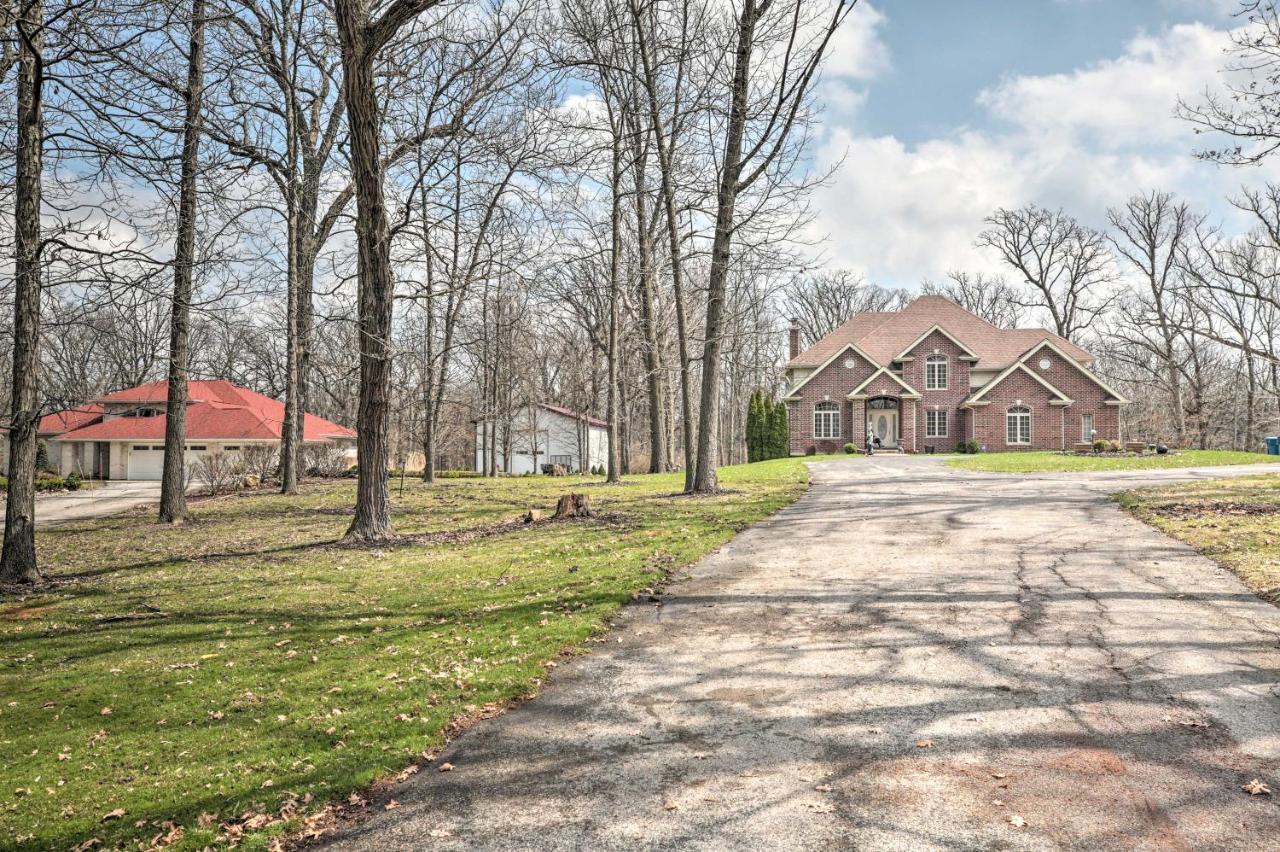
(883, 423)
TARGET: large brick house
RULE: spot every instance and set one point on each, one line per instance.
(933, 375)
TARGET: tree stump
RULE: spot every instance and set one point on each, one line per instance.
(573, 506)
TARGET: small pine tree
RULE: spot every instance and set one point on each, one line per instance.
(755, 427)
(42, 458)
(779, 433)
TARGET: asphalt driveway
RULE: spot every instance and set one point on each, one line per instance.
(108, 498)
(910, 657)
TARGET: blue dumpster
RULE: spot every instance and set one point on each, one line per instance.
(1273, 446)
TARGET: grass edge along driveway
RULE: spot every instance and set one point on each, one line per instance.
(215, 683)
(1234, 522)
(1056, 462)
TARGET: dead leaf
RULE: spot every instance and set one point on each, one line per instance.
(669, 805)
(391, 805)
(206, 819)
(998, 775)
(105, 711)
(925, 743)
(1256, 788)
(446, 767)
(116, 814)
(823, 788)
(1017, 821)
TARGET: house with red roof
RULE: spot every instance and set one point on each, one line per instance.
(933, 375)
(541, 434)
(121, 435)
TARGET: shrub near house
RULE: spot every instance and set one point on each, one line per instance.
(768, 436)
(934, 375)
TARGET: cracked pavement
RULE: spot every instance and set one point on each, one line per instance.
(909, 657)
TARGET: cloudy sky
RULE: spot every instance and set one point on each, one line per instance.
(942, 111)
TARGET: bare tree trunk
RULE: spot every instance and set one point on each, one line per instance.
(306, 322)
(677, 271)
(429, 379)
(648, 316)
(372, 520)
(289, 431)
(173, 483)
(18, 559)
(705, 480)
(614, 473)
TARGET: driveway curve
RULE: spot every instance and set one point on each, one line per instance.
(909, 657)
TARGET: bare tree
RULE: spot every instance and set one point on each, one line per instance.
(1248, 111)
(18, 559)
(173, 500)
(1153, 232)
(364, 34)
(1067, 267)
(762, 110)
(988, 296)
(820, 302)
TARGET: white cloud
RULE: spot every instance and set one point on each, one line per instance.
(1083, 140)
(856, 50)
(1124, 101)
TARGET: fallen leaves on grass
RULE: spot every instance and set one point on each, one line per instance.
(1017, 821)
(925, 743)
(116, 814)
(1256, 788)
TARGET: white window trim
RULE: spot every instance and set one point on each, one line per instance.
(829, 415)
(936, 412)
(1020, 411)
(946, 371)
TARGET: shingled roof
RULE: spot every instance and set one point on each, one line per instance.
(882, 335)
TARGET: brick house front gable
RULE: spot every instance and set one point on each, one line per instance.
(831, 383)
(1053, 426)
(947, 399)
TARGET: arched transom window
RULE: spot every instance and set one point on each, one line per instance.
(826, 420)
(935, 372)
(1017, 422)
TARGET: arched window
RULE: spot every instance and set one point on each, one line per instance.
(826, 420)
(935, 372)
(1017, 423)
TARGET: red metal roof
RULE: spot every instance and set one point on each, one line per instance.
(72, 418)
(218, 411)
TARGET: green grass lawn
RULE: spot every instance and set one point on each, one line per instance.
(1235, 522)
(244, 664)
(1051, 462)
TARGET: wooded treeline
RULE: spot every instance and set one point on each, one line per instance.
(408, 215)
(404, 216)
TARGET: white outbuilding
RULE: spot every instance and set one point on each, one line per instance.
(539, 435)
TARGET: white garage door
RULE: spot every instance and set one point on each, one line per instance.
(146, 461)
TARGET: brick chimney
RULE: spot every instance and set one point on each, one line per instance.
(794, 337)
